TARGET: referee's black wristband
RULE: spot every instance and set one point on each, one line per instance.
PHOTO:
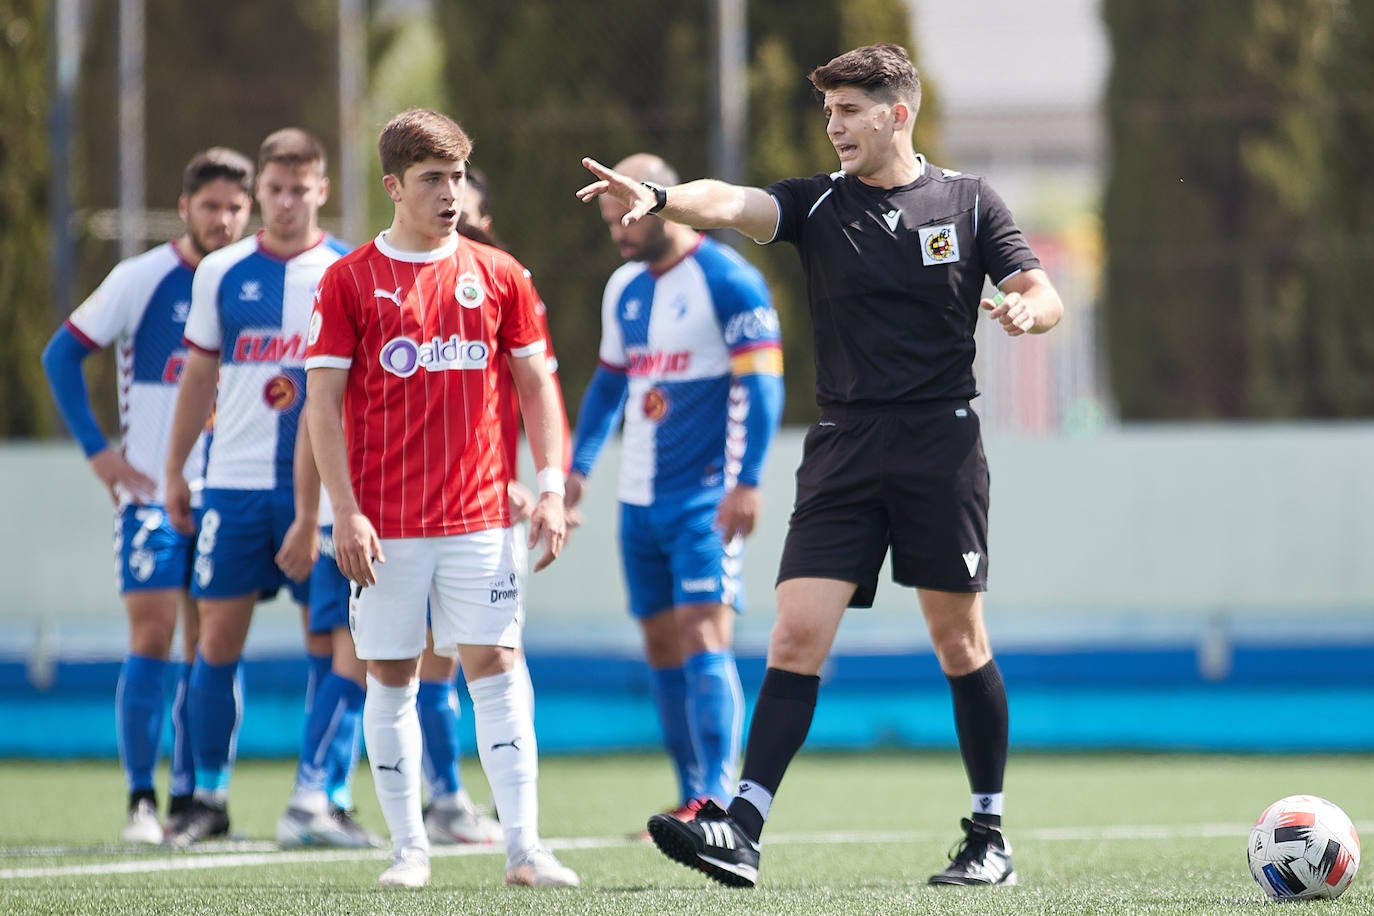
(660, 195)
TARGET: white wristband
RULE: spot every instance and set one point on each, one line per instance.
(550, 480)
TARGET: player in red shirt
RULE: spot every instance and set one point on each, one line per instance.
(450, 814)
(409, 337)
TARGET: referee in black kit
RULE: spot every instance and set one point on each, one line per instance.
(895, 251)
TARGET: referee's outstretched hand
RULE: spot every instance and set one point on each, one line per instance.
(628, 191)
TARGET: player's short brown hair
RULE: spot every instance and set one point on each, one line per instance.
(213, 164)
(419, 134)
(883, 71)
(294, 147)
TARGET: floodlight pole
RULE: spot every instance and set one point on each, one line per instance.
(65, 60)
(730, 101)
(352, 86)
(132, 183)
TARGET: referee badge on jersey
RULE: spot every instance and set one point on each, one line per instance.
(469, 291)
(939, 245)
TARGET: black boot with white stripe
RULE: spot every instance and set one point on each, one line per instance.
(982, 858)
(711, 843)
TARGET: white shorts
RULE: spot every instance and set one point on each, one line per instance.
(469, 583)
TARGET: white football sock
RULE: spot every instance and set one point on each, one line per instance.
(506, 746)
(987, 803)
(391, 727)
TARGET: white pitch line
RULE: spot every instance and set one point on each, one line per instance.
(254, 854)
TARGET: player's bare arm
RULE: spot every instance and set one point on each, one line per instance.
(115, 472)
(195, 400)
(739, 512)
(356, 545)
(300, 546)
(543, 429)
(702, 204)
(1030, 304)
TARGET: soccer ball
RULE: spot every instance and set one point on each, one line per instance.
(1303, 847)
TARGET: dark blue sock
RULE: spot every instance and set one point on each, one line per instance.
(216, 709)
(139, 703)
(321, 722)
(715, 713)
(437, 703)
(670, 696)
(319, 668)
(183, 764)
(341, 755)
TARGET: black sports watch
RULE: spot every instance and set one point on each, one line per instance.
(660, 195)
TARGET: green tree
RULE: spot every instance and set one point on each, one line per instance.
(539, 84)
(25, 290)
(1212, 205)
(1342, 344)
(216, 74)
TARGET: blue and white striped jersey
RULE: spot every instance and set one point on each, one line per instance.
(141, 308)
(679, 337)
(253, 310)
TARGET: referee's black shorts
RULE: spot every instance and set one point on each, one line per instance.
(912, 477)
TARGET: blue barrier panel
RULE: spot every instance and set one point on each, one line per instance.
(1138, 698)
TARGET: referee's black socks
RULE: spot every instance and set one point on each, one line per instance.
(980, 718)
(782, 717)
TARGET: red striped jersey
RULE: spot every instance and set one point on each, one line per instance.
(425, 336)
(510, 401)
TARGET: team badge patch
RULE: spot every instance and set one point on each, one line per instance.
(316, 323)
(655, 404)
(469, 291)
(280, 393)
(939, 245)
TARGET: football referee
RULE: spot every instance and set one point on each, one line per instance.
(895, 251)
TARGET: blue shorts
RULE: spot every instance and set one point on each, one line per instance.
(673, 555)
(236, 549)
(149, 553)
(328, 588)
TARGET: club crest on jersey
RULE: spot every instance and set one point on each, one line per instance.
(403, 357)
(469, 291)
(280, 393)
(939, 245)
(180, 310)
(655, 404)
(250, 291)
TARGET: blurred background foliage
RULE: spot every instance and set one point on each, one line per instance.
(1238, 211)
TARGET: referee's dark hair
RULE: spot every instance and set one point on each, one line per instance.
(883, 71)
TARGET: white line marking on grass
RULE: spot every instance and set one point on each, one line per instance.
(234, 856)
(247, 853)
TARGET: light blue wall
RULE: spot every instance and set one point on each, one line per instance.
(1147, 535)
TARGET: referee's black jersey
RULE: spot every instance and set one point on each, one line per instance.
(894, 276)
